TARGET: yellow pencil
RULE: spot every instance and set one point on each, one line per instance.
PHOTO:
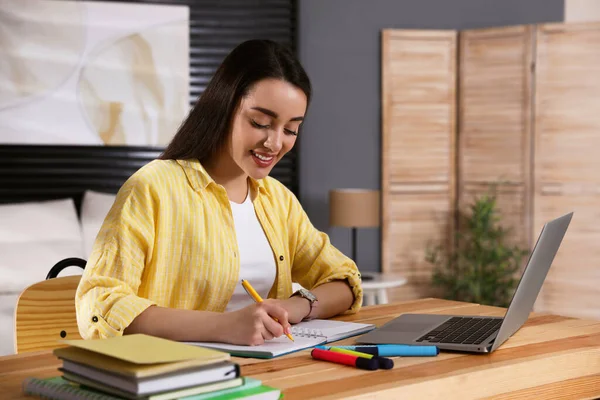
(250, 290)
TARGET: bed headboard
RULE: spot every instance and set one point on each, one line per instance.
(47, 172)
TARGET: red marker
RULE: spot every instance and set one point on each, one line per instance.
(346, 359)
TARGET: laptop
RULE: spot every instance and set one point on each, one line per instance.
(479, 334)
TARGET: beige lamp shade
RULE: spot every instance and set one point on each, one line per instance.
(354, 208)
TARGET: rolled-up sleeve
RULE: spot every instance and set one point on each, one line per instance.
(106, 300)
(315, 260)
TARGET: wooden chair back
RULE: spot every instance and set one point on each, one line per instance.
(45, 314)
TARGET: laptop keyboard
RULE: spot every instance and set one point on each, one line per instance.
(462, 330)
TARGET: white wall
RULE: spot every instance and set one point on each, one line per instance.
(582, 10)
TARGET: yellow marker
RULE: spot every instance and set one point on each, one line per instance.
(384, 363)
(250, 290)
(351, 352)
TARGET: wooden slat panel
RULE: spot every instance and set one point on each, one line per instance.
(416, 221)
(572, 286)
(567, 178)
(495, 134)
(418, 189)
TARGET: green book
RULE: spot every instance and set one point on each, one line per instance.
(58, 388)
(249, 383)
(261, 392)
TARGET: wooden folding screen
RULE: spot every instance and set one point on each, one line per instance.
(494, 125)
(528, 118)
(567, 162)
(418, 88)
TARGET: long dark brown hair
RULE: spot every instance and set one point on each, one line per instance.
(205, 130)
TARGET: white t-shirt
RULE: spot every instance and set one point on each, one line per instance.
(257, 263)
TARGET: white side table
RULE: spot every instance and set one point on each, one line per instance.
(375, 286)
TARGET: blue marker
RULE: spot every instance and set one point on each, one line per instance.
(392, 350)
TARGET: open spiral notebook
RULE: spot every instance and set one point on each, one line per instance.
(306, 334)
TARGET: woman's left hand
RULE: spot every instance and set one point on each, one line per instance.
(297, 307)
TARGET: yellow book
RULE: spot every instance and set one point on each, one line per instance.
(138, 355)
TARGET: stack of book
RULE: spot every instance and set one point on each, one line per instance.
(142, 367)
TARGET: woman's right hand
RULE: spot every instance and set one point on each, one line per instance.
(254, 324)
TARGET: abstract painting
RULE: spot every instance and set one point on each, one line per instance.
(92, 73)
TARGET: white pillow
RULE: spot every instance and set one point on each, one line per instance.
(8, 304)
(33, 237)
(94, 207)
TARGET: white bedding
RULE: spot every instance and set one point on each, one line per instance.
(7, 329)
(35, 236)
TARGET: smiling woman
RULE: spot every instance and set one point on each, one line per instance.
(185, 229)
(264, 129)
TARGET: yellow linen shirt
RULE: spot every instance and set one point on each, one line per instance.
(169, 240)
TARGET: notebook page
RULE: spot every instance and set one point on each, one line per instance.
(330, 329)
(273, 347)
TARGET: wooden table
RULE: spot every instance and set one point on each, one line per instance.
(550, 357)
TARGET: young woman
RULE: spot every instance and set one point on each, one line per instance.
(185, 229)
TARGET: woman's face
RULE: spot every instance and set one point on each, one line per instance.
(265, 126)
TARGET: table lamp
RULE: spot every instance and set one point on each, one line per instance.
(354, 208)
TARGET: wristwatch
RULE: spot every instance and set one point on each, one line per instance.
(312, 300)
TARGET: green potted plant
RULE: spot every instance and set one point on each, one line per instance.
(480, 267)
